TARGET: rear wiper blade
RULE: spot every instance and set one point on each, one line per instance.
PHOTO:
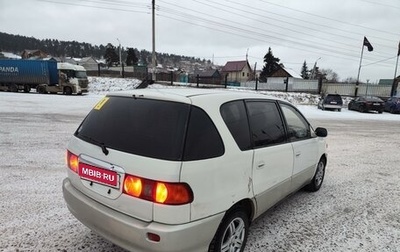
(101, 145)
(104, 149)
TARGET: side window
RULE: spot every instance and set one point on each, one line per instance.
(235, 118)
(266, 125)
(203, 140)
(297, 126)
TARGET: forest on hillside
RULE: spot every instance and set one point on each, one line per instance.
(17, 43)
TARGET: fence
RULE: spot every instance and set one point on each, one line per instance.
(284, 84)
(273, 84)
(363, 89)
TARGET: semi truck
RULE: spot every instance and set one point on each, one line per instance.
(46, 76)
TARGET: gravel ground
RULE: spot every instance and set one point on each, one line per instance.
(357, 208)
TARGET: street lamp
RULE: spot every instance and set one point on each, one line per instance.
(314, 68)
(120, 62)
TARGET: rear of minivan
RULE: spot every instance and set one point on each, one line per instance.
(132, 173)
(186, 169)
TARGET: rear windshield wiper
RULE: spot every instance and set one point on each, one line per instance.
(101, 145)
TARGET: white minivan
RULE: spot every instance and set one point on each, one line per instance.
(182, 169)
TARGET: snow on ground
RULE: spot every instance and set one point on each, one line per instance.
(357, 208)
(100, 86)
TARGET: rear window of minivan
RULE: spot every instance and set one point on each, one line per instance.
(151, 128)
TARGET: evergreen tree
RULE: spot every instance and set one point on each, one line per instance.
(305, 74)
(271, 65)
(131, 58)
(110, 55)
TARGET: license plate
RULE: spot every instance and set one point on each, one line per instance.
(99, 175)
(333, 102)
(377, 104)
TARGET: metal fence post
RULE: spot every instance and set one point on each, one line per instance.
(256, 83)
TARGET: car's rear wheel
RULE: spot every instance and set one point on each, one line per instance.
(232, 233)
(363, 109)
(318, 178)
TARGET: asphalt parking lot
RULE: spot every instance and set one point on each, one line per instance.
(357, 208)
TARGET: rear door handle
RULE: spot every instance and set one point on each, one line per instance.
(260, 165)
(298, 154)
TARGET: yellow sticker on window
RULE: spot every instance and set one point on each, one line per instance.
(101, 103)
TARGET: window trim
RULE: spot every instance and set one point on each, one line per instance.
(243, 101)
(286, 140)
(280, 103)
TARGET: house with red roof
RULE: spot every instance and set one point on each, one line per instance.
(237, 72)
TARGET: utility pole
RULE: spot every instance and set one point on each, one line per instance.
(393, 91)
(153, 58)
(120, 62)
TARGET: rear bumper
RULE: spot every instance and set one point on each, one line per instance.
(374, 107)
(331, 106)
(131, 233)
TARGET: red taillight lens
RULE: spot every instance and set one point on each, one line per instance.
(158, 192)
(72, 161)
(133, 186)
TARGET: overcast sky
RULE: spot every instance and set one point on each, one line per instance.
(329, 32)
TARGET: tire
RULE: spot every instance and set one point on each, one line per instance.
(13, 88)
(232, 233)
(339, 110)
(380, 111)
(27, 88)
(392, 110)
(41, 90)
(67, 91)
(318, 178)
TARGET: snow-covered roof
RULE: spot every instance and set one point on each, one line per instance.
(292, 73)
(10, 55)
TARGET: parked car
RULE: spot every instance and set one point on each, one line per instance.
(188, 169)
(331, 102)
(392, 105)
(366, 103)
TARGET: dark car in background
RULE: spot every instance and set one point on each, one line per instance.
(366, 104)
(331, 102)
(392, 105)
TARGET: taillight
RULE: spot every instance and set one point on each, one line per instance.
(72, 161)
(158, 192)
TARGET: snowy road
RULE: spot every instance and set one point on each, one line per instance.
(357, 208)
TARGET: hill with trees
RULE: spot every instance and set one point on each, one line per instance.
(17, 43)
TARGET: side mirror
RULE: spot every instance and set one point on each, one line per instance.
(321, 132)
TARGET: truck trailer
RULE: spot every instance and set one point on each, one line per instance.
(46, 76)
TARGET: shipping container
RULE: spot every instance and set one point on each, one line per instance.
(26, 74)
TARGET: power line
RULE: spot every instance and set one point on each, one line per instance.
(380, 61)
(225, 7)
(238, 29)
(313, 23)
(327, 18)
(91, 6)
(381, 4)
